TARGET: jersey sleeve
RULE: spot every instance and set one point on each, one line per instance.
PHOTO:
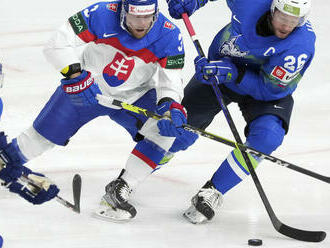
(169, 81)
(63, 47)
(277, 78)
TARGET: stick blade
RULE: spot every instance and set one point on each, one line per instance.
(303, 235)
(76, 186)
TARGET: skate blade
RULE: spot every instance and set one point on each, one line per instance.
(108, 212)
(194, 216)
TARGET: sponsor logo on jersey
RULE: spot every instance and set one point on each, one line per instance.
(118, 70)
(78, 87)
(236, 19)
(175, 62)
(284, 76)
(279, 72)
(141, 9)
(112, 6)
(169, 25)
(105, 35)
(78, 23)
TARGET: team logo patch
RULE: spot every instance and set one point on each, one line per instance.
(112, 6)
(169, 25)
(279, 72)
(119, 70)
(230, 48)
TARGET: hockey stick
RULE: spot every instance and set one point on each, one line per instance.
(303, 235)
(220, 139)
(76, 188)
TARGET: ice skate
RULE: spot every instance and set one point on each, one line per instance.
(204, 204)
(114, 204)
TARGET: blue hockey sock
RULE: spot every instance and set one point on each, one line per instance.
(232, 171)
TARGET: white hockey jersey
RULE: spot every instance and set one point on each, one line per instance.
(124, 67)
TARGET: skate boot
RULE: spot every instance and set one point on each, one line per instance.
(204, 204)
(114, 204)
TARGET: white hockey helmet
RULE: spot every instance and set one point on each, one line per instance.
(298, 8)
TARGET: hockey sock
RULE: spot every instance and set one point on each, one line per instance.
(142, 162)
(18, 151)
(232, 171)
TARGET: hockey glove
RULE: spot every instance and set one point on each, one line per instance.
(33, 187)
(13, 173)
(82, 89)
(10, 161)
(221, 71)
(173, 127)
(177, 7)
(183, 140)
(177, 117)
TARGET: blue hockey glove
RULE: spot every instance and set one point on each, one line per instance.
(37, 188)
(82, 89)
(183, 140)
(220, 71)
(177, 116)
(177, 7)
(12, 173)
(10, 161)
(173, 127)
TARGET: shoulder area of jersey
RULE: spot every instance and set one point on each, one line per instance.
(110, 7)
(165, 24)
(304, 36)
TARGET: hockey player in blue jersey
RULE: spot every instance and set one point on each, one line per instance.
(257, 60)
(131, 52)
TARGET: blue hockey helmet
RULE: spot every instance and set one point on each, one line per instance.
(138, 7)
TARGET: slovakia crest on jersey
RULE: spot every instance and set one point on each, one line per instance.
(112, 6)
(119, 70)
(169, 25)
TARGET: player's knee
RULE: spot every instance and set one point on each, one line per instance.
(266, 133)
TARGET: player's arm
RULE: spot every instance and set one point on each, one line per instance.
(62, 50)
(170, 92)
(169, 79)
(278, 78)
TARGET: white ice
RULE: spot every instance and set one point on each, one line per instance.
(99, 151)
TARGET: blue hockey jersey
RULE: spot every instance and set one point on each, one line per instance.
(274, 65)
(124, 67)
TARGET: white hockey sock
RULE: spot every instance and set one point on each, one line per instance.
(32, 144)
(136, 171)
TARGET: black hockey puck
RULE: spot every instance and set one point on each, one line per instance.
(255, 242)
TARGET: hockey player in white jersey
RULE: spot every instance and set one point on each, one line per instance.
(131, 52)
